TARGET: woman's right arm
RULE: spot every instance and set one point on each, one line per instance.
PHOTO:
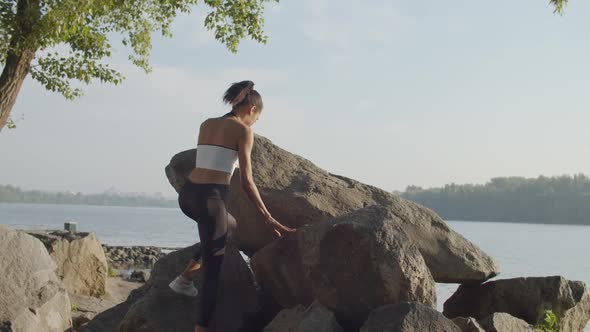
(245, 145)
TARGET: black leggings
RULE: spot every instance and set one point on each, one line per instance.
(205, 203)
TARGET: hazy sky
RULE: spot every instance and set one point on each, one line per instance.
(391, 93)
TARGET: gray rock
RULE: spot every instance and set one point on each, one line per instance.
(298, 193)
(32, 298)
(242, 306)
(129, 258)
(90, 305)
(468, 324)
(503, 322)
(351, 264)
(525, 298)
(110, 319)
(408, 317)
(80, 259)
(316, 318)
(286, 320)
(159, 309)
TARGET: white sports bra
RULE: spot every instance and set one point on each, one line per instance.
(216, 157)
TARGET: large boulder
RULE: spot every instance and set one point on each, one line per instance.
(241, 306)
(80, 259)
(525, 298)
(159, 309)
(408, 317)
(351, 264)
(297, 193)
(503, 322)
(316, 318)
(32, 298)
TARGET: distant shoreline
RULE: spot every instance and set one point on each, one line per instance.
(558, 200)
(519, 222)
(543, 200)
(172, 206)
(13, 194)
(446, 220)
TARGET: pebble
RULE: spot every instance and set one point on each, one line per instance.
(136, 257)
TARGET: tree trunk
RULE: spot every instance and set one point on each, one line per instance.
(18, 60)
(14, 73)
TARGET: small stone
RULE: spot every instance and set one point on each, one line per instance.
(468, 324)
(503, 322)
(139, 276)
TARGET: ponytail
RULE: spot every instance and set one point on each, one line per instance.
(242, 94)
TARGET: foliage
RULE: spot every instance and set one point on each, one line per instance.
(83, 29)
(74, 307)
(11, 194)
(548, 323)
(11, 124)
(561, 199)
(73, 37)
(559, 5)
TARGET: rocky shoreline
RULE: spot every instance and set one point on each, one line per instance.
(134, 257)
(361, 260)
(117, 257)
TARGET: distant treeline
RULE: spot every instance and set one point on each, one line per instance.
(556, 200)
(11, 194)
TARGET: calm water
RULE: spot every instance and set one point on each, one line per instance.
(163, 227)
(521, 249)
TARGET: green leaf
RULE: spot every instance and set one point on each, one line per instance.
(86, 27)
(559, 6)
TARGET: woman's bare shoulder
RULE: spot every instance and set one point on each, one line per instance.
(211, 122)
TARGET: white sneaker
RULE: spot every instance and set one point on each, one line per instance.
(182, 287)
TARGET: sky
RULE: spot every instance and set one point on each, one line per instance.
(391, 93)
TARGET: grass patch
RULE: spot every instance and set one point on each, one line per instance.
(548, 323)
(113, 273)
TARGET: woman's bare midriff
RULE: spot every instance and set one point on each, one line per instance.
(201, 175)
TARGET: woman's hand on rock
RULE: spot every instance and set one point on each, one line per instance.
(278, 227)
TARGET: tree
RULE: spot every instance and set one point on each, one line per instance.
(558, 199)
(32, 31)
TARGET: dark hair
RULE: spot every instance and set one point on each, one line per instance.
(241, 94)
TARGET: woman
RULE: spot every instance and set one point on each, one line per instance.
(222, 141)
